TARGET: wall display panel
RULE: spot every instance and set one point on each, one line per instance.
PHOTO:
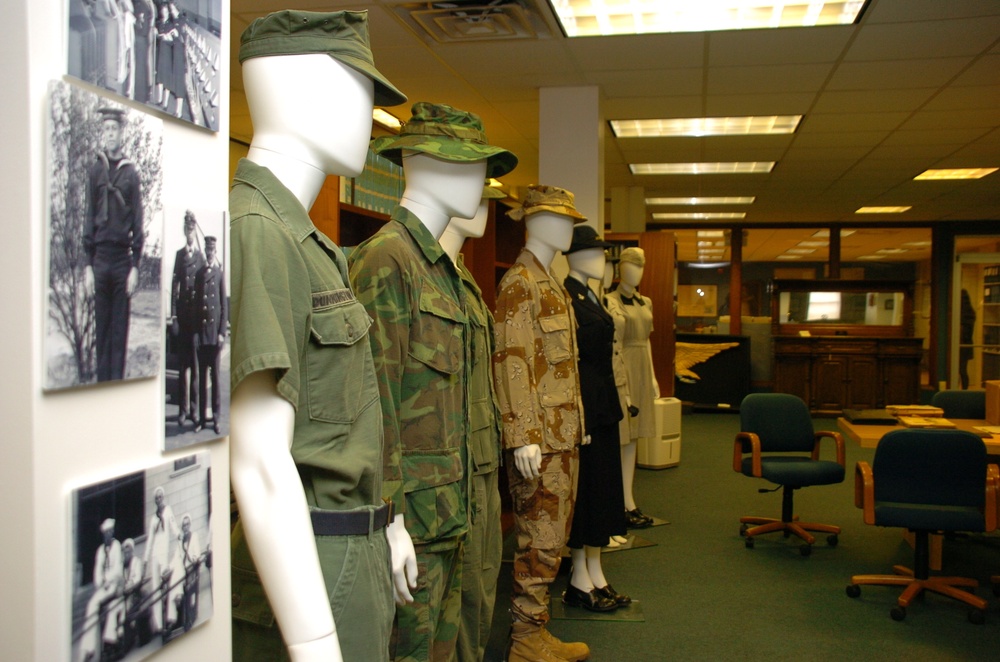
(195, 281)
(141, 560)
(105, 225)
(165, 54)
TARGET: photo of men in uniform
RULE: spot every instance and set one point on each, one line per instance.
(104, 244)
(197, 330)
(162, 53)
(141, 575)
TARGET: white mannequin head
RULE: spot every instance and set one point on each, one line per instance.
(631, 274)
(459, 229)
(609, 275)
(438, 190)
(586, 264)
(312, 109)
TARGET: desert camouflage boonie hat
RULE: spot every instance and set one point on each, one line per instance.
(447, 133)
(633, 255)
(539, 198)
(343, 35)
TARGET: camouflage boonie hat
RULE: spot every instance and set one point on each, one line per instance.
(539, 198)
(447, 133)
(492, 193)
(633, 255)
(343, 35)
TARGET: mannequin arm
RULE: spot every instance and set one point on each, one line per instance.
(404, 560)
(652, 371)
(528, 460)
(275, 517)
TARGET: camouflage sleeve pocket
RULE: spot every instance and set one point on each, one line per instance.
(556, 338)
(436, 333)
(335, 350)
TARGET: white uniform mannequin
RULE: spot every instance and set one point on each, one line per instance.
(631, 276)
(546, 232)
(312, 117)
(587, 573)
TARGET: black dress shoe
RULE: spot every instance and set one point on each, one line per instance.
(620, 598)
(634, 519)
(215, 426)
(590, 600)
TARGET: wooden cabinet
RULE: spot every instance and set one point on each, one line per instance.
(832, 373)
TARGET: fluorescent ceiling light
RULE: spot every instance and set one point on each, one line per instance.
(724, 168)
(789, 257)
(711, 251)
(386, 120)
(584, 18)
(710, 233)
(699, 216)
(872, 257)
(696, 127)
(890, 251)
(955, 173)
(731, 200)
(801, 251)
(882, 210)
(703, 244)
(826, 233)
(917, 244)
(813, 244)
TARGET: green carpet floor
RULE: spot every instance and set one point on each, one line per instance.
(705, 596)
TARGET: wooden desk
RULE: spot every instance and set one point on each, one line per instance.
(868, 436)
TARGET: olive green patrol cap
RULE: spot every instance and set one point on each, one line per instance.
(343, 35)
(447, 133)
(539, 198)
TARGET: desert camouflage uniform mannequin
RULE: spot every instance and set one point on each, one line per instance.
(538, 387)
(420, 345)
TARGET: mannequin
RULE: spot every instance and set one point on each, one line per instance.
(643, 388)
(618, 367)
(312, 117)
(540, 434)
(483, 544)
(598, 513)
(420, 341)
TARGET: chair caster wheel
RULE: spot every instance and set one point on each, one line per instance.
(853, 590)
(898, 613)
(806, 550)
(748, 543)
(977, 616)
(743, 529)
(832, 540)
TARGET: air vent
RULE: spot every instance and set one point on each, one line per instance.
(463, 22)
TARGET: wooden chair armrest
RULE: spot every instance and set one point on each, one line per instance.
(864, 491)
(992, 497)
(838, 439)
(754, 441)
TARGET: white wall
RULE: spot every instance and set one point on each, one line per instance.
(57, 441)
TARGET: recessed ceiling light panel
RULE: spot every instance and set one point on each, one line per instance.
(696, 127)
(722, 168)
(954, 173)
(730, 200)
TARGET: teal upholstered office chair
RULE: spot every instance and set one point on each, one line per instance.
(927, 481)
(961, 404)
(777, 442)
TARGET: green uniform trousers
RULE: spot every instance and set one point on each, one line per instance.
(357, 571)
(480, 568)
(426, 629)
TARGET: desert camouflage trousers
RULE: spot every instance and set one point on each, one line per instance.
(426, 629)
(543, 512)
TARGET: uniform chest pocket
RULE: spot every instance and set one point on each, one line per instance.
(341, 376)
(436, 332)
(557, 342)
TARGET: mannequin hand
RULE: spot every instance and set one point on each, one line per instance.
(131, 281)
(585, 440)
(326, 649)
(656, 389)
(88, 281)
(404, 560)
(633, 411)
(528, 460)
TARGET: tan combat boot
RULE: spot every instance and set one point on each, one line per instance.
(528, 645)
(573, 651)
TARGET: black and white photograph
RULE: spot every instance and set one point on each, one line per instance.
(162, 53)
(105, 226)
(142, 560)
(196, 306)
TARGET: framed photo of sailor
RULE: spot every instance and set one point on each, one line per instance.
(104, 243)
(165, 54)
(195, 281)
(141, 560)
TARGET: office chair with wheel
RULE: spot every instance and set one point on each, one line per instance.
(927, 481)
(961, 404)
(777, 442)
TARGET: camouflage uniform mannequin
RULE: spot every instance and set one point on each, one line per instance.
(537, 383)
(483, 545)
(420, 342)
